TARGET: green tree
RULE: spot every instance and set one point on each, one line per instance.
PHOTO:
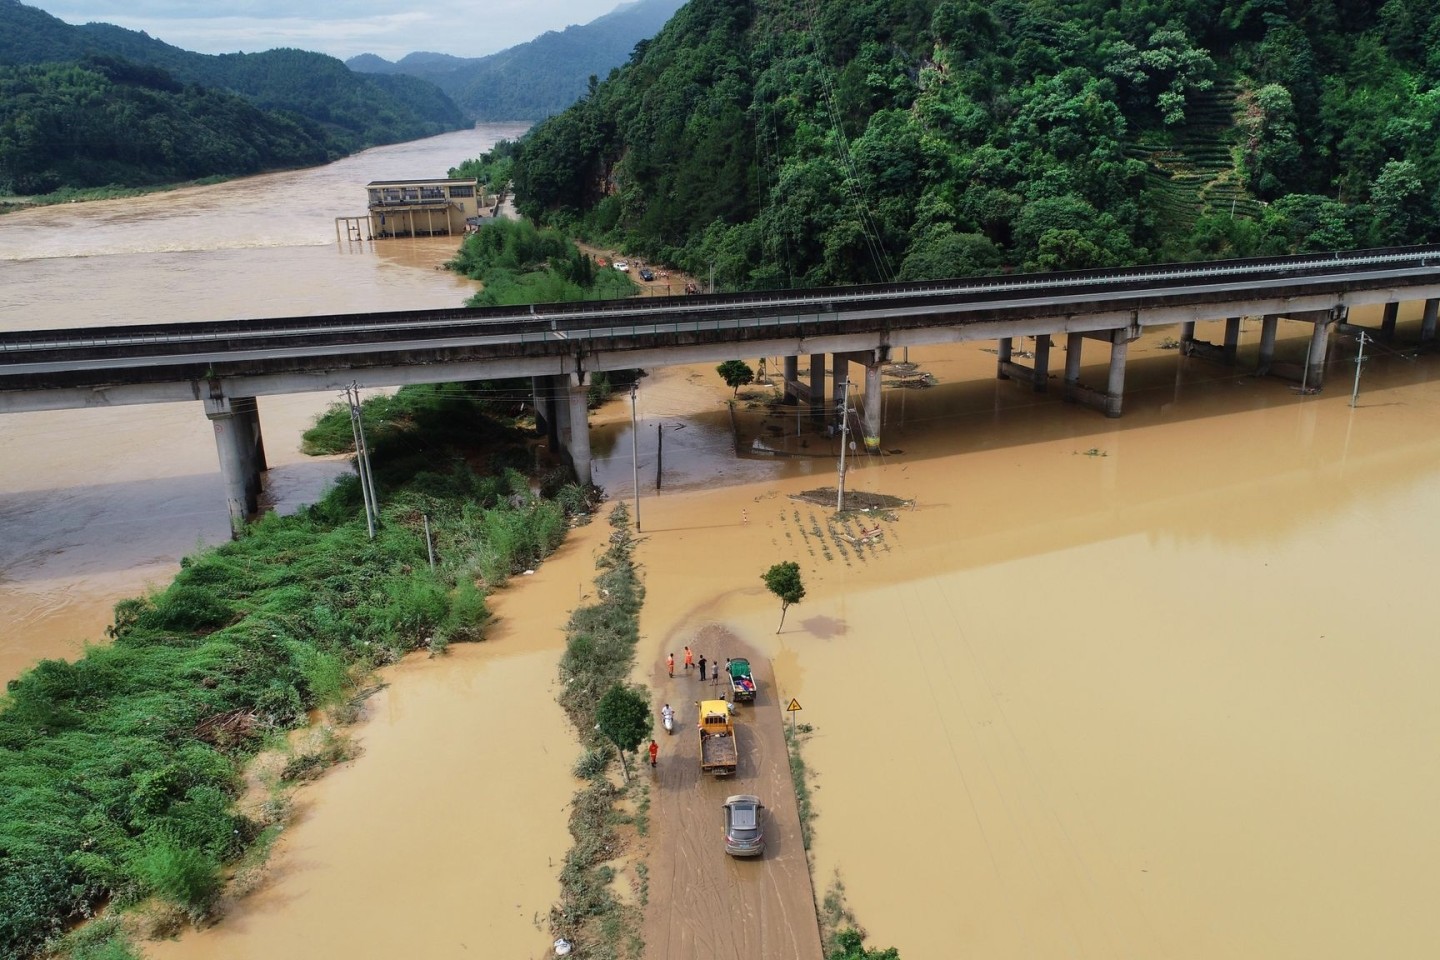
(623, 716)
(783, 580)
(736, 374)
(850, 945)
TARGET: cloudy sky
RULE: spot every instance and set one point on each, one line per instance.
(341, 28)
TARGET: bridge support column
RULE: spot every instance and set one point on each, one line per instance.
(1115, 386)
(1427, 320)
(537, 403)
(1319, 347)
(839, 376)
(1187, 338)
(1387, 320)
(1232, 339)
(1268, 327)
(235, 442)
(817, 386)
(578, 385)
(1003, 359)
(1041, 381)
(1074, 345)
(791, 374)
(872, 407)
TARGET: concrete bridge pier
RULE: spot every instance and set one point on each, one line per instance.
(1111, 400)
(1040, 380)
(872, 405)
(1388, 320)
(236, 421)
(537, 403)
(1074, 345)
(1231, 350)
(817, 386)
(577, 450)
(792, 374)
(1269, 324)
(1319, 347)
(1038, 376)
(1427, 320)
(1115, 385)
(1187, 338)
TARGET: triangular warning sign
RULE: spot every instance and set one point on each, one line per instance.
(793, 705)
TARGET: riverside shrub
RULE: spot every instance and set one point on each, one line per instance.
(119, 771)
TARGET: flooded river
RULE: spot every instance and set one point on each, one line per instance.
(1152, 687)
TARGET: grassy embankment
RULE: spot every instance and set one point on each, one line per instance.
(599, 653)
(120, 772)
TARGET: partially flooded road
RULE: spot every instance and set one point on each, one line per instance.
(704, 903)
(1151, 687)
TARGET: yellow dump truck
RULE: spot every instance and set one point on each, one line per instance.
(718, 753)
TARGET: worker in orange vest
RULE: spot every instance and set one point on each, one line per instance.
(689, 659)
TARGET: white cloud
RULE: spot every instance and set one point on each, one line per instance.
(389, 28)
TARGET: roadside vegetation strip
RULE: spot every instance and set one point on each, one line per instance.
(840, 932)
(599, 653)
(119, 773)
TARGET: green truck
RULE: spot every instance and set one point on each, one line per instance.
(742, 681)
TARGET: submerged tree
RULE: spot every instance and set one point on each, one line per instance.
(783, 579)
(736, 374)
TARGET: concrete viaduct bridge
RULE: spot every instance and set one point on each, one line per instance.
(227, 364)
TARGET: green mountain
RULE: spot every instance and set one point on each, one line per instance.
(836, 141)
(97, 104)
(533, 80)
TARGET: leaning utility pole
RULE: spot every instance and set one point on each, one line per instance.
(635, 456)
(1359, 359)
(359, 462)
(844, 424)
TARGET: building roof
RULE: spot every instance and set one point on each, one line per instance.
(398, 183)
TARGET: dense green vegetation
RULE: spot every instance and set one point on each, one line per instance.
(827, 141)
(533, 80)
(519, 264)
(97, 104)
(105, 121)
(118, 772)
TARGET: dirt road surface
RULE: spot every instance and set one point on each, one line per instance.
(704, 903)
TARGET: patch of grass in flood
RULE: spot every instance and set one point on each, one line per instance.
(599, 653)
(119, 772)
(795, 735)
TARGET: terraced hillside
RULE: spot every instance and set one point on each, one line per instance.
(1195, 174)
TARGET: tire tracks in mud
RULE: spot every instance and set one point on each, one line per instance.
(704, 903)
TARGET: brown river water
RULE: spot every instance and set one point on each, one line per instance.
(1152, 687)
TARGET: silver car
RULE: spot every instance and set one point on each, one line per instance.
(744, 836)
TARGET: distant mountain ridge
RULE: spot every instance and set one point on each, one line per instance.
(534, 80)
(358, 109)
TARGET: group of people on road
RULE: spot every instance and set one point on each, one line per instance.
(690, 663)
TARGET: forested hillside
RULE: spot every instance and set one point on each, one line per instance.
(828, 141)
(94, 105)
(533, 80)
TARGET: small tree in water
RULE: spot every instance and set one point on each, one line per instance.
(736, 373)
(783, 579)
(623, 715)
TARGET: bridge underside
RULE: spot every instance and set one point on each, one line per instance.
(559, 360)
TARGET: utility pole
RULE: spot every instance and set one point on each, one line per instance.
(359, 461)
(367, 475)
(1359, 359)
(429, 544)
(844, 425)
(635, 455)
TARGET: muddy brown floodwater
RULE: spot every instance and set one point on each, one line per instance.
(1160, 686)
